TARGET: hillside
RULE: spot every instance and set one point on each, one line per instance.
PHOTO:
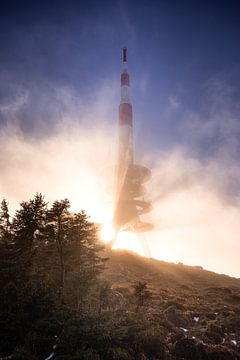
(125, 267)
(64, 296)
(198, 307)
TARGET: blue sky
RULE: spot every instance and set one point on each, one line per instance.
(175, 49)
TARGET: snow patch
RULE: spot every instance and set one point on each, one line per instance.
(185, 330)
(196, 318)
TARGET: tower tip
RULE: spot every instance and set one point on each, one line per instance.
(124, 54)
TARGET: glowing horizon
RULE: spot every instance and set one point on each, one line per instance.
(195, 223)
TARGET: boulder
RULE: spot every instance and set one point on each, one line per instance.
(177, 317)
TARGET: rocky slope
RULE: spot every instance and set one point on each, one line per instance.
(194, 305)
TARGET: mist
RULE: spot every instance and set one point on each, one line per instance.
(195, 199)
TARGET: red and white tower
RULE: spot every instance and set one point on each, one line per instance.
(125, 154)
(129, 178)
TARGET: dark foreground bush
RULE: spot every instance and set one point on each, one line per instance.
(188, 349)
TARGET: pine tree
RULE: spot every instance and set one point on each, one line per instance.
(24, 299)
(57, 230)
(5, 225)
(85, 262)
(29, 221)
(78, 251)
(141, 294)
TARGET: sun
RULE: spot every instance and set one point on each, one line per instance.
(124, 239)
(107, 233)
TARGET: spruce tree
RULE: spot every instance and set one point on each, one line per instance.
(78, 251)
(57, 230)
(85, 261)
(29, 221)
(141, 293)
(5, 225)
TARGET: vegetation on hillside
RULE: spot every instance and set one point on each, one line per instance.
(62, 298)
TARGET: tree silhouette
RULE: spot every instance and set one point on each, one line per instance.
(57, 230)
(5, 225)
(29, 221)
(83, 253)
(141, 294)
